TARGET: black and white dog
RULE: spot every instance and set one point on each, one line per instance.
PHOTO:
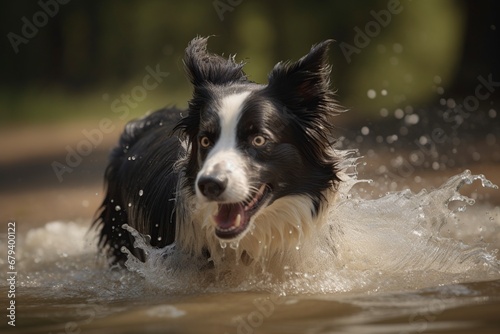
(248, 165)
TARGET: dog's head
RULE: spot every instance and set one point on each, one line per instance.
(251, 145)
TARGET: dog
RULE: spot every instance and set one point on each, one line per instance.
(247, 165)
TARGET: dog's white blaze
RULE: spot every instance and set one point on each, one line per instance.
(229, 114)
(225, 154)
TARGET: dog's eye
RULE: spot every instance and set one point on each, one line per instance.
(258, 141)
(205, 142)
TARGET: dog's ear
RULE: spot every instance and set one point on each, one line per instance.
(305, 84)
(204, 67)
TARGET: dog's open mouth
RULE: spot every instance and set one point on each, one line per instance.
(232, 219)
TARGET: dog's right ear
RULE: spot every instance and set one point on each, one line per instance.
(203, 67)
(305, 84)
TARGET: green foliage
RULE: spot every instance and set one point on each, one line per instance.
(92, 48)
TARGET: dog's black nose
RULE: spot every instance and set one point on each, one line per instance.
(211, 186)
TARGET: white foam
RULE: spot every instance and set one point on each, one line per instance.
(56, 240)
(165, 311)
(400, 241)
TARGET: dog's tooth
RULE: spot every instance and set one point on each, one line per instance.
(237, 223)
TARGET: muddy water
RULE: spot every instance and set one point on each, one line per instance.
(403, 263)
(462, 308)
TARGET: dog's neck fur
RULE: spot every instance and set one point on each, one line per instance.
(276, 236)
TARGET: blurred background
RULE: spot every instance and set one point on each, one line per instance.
(421, 80)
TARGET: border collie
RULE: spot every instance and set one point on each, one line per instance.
(249, 165)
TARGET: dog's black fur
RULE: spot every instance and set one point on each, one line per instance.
(154, 169)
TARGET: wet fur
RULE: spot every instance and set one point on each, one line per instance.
(151, 176)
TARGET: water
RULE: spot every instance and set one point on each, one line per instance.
(400, 263)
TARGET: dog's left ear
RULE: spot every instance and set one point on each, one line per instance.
(204, 67)
(305, 84)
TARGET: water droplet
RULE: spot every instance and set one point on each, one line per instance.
(412, 119)
(365, 130)
(423, 140)
(485, 182)
(391, 139)
(399, 113)
(383, 92)
(141, 192)
(117, 208)
(371, 94)
(129, 205)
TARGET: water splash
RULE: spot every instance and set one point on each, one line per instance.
(400, 241)
(393, 242)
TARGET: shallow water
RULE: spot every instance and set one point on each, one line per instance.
(400, 263)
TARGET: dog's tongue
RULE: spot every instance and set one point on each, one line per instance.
(227, 216)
